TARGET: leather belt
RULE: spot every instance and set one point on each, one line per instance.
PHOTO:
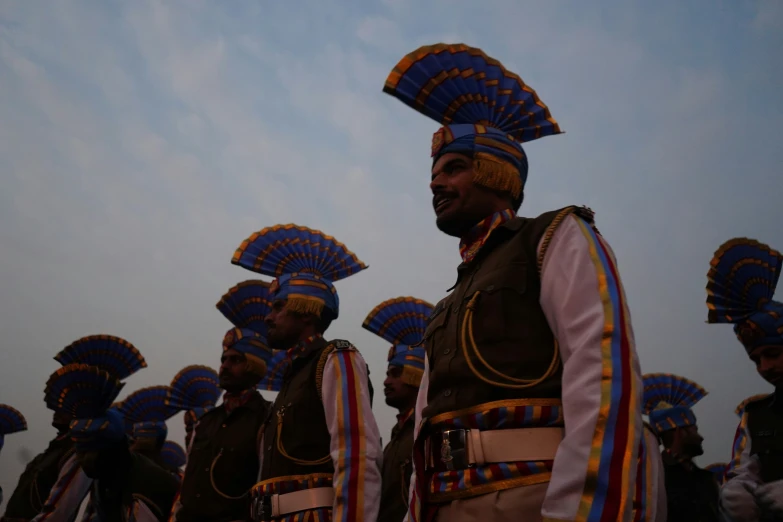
(464, 448)
(269, 507)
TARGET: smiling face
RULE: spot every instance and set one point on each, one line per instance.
(459, 203)
(769, 363)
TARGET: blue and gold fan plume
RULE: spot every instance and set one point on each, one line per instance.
(81, 391)
(11, 421)
(173, 455)
(402, 321)
(741, 283)
(148, 404)
(486, 111)
(246, 305)
(107, 352)
(305, 263)
(668, 400)
(194, 388)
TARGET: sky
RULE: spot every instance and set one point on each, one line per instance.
(141, 142)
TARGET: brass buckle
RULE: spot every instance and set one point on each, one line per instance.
(454, 449)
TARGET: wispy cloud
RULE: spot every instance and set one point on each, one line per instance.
(141, 142)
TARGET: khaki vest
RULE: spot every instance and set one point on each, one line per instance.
(223, 463)
(397, 471)
(303, 447)
(510, 331)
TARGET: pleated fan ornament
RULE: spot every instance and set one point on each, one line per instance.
(11, 421)
(146, 411)
(173, 455)
(304, 263)
(668, 400)
(741, 283)
(86, 393)
(107, 352)
(486, 111)
(402, 321)
(194, 389)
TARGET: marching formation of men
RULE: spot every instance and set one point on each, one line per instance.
(520, 395)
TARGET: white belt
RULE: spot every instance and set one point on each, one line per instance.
(464, 448)
(273, 506)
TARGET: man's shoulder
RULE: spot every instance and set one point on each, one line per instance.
(341, 345)
(754, 403)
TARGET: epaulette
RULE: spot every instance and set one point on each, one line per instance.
(341, 345)
(583, 212)
(755, 400)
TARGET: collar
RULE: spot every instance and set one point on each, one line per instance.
(233, 401)
(403, 417)
(474, 239)
(303, 347)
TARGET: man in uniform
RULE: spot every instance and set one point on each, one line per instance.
(11, 421)
(741, 283)
(125, 485)
(530, 404)
(222, 462)
(39, 476)
(320, 451)
(691, 492)
(400, 321)
(120, 359)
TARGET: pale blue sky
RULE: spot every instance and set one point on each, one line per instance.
(141, 142)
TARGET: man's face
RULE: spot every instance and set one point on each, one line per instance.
(88, 460)
(769, 363)
(234, 376)
(284, 328)
(61, 422)
(398, 394)
(458, 202)
(691, 441)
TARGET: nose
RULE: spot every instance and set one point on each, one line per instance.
(269, 319)
(765, 365)
(437, 184)
(387, 381)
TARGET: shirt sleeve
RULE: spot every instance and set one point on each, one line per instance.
(737, 499)
(67, 495)
(414, 502)
(355, 444)
(583, 299)
(740, 450)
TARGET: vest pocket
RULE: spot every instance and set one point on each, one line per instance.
(498, 311)
(435, 328)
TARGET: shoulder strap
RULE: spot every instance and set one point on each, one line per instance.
(583, 212)
(319, 370)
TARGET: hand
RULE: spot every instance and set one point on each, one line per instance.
(738, 502)
(770, 497)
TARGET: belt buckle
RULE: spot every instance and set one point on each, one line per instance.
(261, 508)
(454, 449)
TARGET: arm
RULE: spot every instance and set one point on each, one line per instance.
(740, 450)
(355, 441)
(67, 494)
(737, 499)
(414, 503)
(584, 302)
